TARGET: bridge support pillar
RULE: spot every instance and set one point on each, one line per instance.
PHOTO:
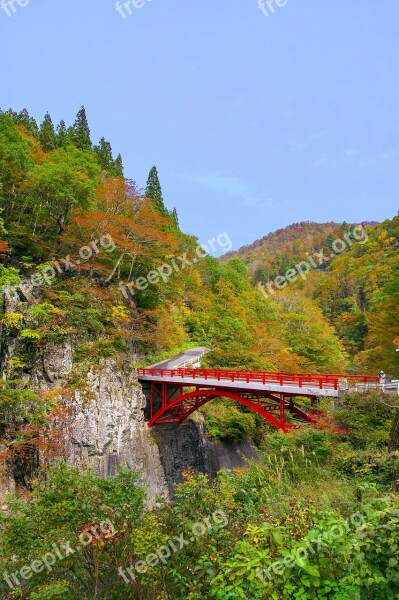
(282, 411)
(159, 395)
(314, 401)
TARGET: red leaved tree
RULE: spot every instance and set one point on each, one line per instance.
(126, 229)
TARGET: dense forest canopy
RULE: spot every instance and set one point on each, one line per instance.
(356, 290)
(89, 259)
(59, 193)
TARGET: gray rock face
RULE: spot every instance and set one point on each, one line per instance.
(181, 447)
(187, 446)
(106, 426)
(7, 483)
(109, 431)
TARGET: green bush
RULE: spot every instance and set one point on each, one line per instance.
(225, 420)
(368, 416)
(60, 510)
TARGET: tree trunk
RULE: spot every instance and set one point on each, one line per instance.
(114, 270)
(395, 433)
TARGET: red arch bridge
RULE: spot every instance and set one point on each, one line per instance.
(174, 394)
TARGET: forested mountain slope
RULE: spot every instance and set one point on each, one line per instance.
(356, 287)
(97, 277)
(359, 293)
(276, 251)
(92, 242)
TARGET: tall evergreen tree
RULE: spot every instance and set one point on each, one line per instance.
(117, 169)
(47, 134)
(13, 115)
(154, 192)
(104, 153)
(330, 239)
(81, 130)
(28, 122)
(70, 135)
(175, 218)
(62, 136)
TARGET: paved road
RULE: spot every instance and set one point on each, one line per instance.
(188, 356)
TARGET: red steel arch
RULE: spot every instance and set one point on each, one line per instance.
(178, 409)
(269, 394)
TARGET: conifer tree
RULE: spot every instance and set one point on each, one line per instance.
(117, 169)
(81, 130)
(329, 242)
(47, 134)
(154, 192)
(61, 137)
(12, 114)
(104, 153)
(175, 218)
(29, 123)
(70, 135)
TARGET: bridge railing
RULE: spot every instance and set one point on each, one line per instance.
(349, 378)
(192, 361)
(298, 379)
(392, 387)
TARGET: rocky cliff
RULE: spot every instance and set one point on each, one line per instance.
(105, 427)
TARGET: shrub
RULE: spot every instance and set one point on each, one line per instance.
(225, 421)
(369, 418)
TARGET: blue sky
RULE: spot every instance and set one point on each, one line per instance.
(254, 122)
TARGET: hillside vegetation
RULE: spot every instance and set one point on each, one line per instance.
(88, 237)
(317, 517)
(357, 289)
(89, 259)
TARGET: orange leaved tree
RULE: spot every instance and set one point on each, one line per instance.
(125, 232)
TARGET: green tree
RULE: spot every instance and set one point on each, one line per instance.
(175, 218)
(81, 130)
(368, 417)
(309, 335)
(330, 239)
(28, 122)
(104, 153)
(68, 179)
(61, 134)
(154, 192)
(117, 170)
(91, 514)
(15, 159)
(47, 134)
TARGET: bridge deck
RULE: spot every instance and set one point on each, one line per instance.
(175, 393)
(287, 383)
